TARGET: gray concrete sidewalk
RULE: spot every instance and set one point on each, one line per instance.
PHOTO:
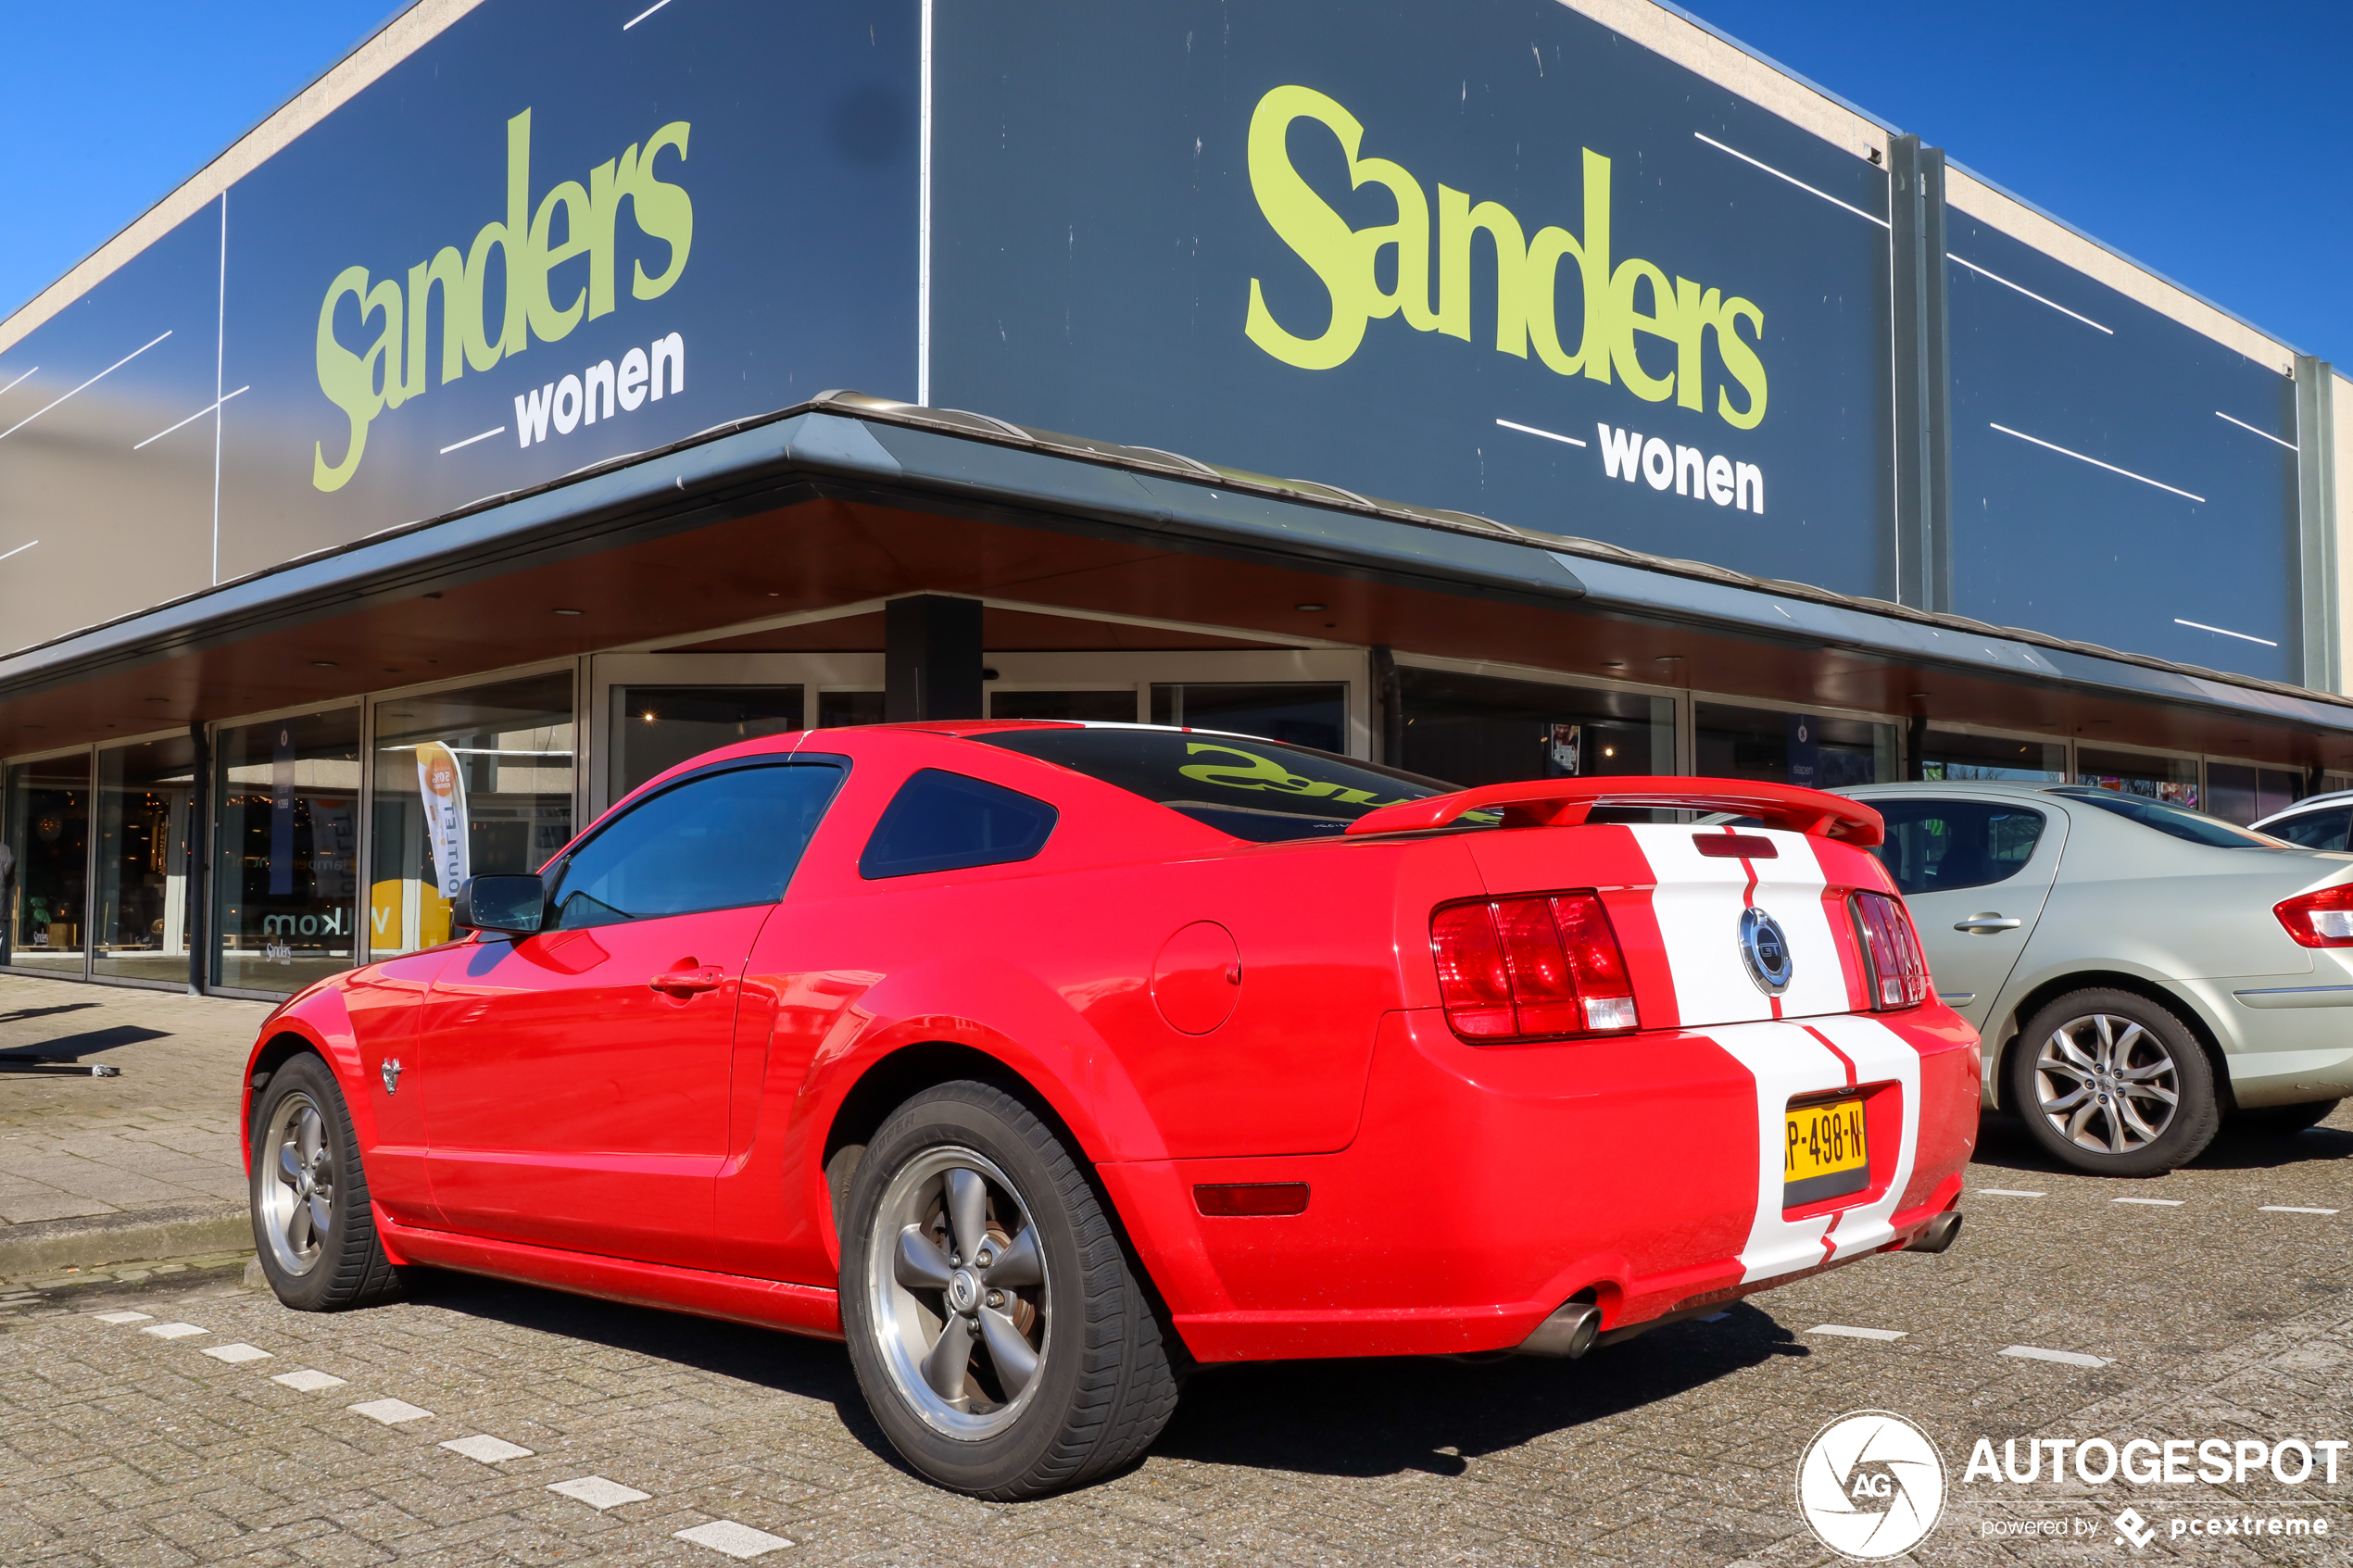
(144, 1165)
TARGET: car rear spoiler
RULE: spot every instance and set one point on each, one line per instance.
(1568, 802)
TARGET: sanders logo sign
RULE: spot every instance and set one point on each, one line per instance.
(572, 223)
(1620, 306)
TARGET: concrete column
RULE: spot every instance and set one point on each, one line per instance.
(931, 658)
(2322, 659)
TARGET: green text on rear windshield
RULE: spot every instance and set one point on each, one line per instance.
(1262, 790)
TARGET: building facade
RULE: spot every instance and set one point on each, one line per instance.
(1499, 388)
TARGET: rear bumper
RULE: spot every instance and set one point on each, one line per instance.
(1487, 1184)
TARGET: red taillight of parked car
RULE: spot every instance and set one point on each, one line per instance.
(2322, 918)
(1897, 971)
(1532, 969)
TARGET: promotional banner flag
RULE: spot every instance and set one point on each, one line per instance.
(442, 786)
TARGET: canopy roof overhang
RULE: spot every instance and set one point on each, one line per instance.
(850, 499)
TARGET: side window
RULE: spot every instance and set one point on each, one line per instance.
(2315, 830)
(1942, 846)
(942, 821)
(718, 842)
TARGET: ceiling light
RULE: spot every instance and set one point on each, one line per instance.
(571, 612)
(322, 664)
(1307, 607)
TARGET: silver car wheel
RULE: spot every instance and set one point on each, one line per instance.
(956, 1293)
(299, 1190)
(2106, 1084)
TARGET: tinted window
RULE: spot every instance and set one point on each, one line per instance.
(2179, 821)
(1256, 789)
(1938, 845)
(721, 841)
(942, 821)
(2315, 830)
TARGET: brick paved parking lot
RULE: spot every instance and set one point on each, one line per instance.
(479, 1422)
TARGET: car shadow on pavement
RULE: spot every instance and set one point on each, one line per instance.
(1370, 1418)
(1350, 1418)
(789, 1363)
(2003, 1145)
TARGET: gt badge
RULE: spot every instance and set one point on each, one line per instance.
(1765, 950)
(391, 1075)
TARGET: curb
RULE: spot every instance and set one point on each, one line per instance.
(142, 1236)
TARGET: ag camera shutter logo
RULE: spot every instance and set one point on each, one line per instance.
(1870, 1486)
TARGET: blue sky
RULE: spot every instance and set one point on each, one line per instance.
(2208, 142)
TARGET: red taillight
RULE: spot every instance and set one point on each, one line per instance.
(1532, 968)
(1898, 972)
(2322, 918)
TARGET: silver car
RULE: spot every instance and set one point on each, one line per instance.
(2137, 971)
(2318, 822)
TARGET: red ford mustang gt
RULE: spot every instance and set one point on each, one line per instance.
(1042, 1061)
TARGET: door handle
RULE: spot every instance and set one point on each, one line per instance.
(683, 982)
(1985, 924)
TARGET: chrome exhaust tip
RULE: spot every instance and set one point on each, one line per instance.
(1567, 1334)
(1938, 1234)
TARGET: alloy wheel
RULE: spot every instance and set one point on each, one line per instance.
(298, 1191)
(956, 1291)
(2106, 1083)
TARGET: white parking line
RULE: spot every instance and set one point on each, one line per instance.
(2291, 1209)
(174, 1330)
(391, 1413)
(123, 1317)
(2004, 1192)
(2064, 1358)
(599, 1493)
(487, 1450)
(2152, 1202)
(1845, 1332)
(736, 1540)
(306, 1381)
(235, 1354)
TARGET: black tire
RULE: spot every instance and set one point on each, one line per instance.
(2283, 1120)
(341, 1263)
(1103, 1384)
(2139, 1030)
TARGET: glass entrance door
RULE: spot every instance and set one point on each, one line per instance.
(45, 873)
(140, 908)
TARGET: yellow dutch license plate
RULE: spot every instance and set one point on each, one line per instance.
(1823, 1153)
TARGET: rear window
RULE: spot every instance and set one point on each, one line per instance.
(943, 821)
(2178, 820)
(1260, 790)
(1945, 845)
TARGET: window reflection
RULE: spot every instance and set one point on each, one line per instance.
(285, 872)
(467, 782)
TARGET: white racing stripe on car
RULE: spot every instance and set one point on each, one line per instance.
(1881, 1055)
(1698, 900)
(1784, 1060)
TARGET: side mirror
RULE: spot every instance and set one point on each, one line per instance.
(514, 905)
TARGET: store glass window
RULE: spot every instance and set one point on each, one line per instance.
(655, 728)
(1775, 746)
(837, 708)
(45, 864)
(1082, 708)
(141, 909)
(1479, 730)
(1952, 758)
(285, 846)
(1298, 712)
(2239, 792)
(2171, 779)
(469, 781)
